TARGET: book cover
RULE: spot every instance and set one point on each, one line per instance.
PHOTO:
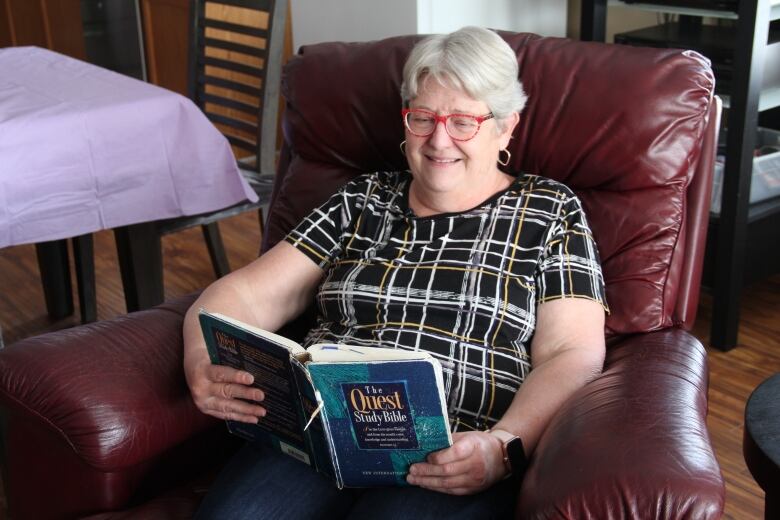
(269, 360)
(359, 415)
(380, 417)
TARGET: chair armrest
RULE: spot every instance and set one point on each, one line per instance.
(633, 443)
(114, 390)
(100, 413)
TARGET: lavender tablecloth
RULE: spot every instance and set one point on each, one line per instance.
(83, 149)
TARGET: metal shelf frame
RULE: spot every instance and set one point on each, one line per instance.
(692, 11)
(752, 26)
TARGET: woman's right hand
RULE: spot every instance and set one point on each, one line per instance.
(266, 293)
(225, 392)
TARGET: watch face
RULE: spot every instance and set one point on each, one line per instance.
(516, 455)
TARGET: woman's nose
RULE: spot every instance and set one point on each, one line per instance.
(440, 137)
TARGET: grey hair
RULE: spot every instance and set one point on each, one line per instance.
(474, 60)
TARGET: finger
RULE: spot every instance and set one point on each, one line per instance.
(230, 407)
(449, 469)
(223, 374)
(444, 484)
(237, 391)
(251, 419)
(461, 449)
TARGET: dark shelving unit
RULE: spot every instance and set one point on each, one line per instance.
(742, 239)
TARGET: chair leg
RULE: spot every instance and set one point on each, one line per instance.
(55, 275)
(216, 249)
(261, 217)
(83, 254)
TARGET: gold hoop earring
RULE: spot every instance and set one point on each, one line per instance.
(508, 157)
(402, 147)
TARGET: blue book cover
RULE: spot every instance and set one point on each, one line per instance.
(380, 416)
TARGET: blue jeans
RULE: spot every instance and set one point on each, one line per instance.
(261, 483)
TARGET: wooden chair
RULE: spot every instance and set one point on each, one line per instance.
(235, 60)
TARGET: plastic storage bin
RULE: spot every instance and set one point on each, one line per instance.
(765, 181)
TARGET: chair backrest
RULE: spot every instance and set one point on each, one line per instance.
(630, 130)
(235, 61)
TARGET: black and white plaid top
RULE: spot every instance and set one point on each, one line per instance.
(463, 286)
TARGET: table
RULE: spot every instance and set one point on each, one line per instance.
(761, 441)
(83, 149)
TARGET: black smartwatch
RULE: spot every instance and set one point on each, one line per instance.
(514, 453)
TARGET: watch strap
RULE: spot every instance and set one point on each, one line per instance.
(505, 437)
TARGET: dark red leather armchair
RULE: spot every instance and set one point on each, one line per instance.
(98, 418)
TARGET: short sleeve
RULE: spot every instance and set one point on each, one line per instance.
(319, 234)
(570, 266)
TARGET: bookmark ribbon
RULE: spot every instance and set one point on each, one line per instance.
(313, 415)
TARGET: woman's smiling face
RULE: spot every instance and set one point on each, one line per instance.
(443, 166)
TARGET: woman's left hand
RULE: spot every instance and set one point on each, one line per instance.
(474, 462)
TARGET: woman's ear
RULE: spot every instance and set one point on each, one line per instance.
(509, 124)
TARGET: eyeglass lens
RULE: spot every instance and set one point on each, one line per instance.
(458, 126)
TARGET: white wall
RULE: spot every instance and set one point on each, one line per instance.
(351, 20)
(361, 20)
(545, 17)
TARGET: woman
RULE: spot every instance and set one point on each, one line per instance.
(453, 257)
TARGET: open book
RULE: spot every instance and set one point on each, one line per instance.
(360, 415)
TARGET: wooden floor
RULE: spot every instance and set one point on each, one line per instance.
(733, 374)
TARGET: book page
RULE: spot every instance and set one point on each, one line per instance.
(330, 353)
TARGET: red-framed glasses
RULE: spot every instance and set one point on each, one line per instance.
(460, 127)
